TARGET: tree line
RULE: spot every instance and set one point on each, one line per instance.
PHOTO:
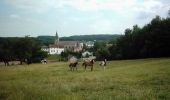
(46, 40)
(152, 40)
(24, 49)
(98, 37)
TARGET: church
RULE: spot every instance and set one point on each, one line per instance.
(61, 46)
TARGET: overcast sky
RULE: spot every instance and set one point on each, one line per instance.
(76, 17)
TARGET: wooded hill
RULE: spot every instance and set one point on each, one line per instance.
(102, 37)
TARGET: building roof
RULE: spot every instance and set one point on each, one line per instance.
(67, 43)
(62, 44)
(55, 46)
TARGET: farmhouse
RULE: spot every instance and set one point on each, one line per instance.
(60, 46)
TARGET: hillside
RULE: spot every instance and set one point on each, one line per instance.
(105, 37)
(143, 79)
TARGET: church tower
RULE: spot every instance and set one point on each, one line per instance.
(56, 38)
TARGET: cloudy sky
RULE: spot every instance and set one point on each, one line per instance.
(76, 17)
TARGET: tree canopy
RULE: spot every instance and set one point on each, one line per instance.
(152, 40)
(20, 49)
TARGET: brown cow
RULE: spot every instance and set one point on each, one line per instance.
(88, 63)
(73, 63)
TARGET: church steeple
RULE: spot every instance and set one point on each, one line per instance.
(56, 38)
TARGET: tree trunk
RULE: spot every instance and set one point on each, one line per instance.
(20, 62)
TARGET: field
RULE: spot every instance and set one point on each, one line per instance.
(143, 79)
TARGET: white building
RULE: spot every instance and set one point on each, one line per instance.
(55, 50)
(52, 49)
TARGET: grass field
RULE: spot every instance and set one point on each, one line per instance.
(144, 79)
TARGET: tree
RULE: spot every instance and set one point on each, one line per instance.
(102, 53)
(152, 40)
(23, 48)
(168, 13)
(20, 49)
(101, 50)
(64, 54)
(6, 51)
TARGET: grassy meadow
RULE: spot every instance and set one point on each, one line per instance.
(143, 79)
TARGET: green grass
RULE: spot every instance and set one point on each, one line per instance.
(53, 57)
(144, 79)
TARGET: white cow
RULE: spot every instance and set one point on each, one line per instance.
(103, 63)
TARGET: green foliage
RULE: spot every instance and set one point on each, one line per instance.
(99, 44)
(21, 49)
(53, 57)
(144, 79)
(46, 40)
(104, 37)
(101, 50)
(102, 53)
(64, 54)
(152, 40)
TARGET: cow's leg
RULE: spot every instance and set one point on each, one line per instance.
(92, 68)
(85, 67)
(76, 68)
(5, 62)
(70, 67)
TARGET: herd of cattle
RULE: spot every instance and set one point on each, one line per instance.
(73, 62)
(87, 62)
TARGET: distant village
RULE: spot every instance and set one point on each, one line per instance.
(62, 46)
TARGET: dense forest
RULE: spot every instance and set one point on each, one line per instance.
(152, 40)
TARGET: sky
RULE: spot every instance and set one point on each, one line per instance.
(20, 18)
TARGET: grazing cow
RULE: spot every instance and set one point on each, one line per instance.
(44, 61)
(6, 61)
(88, 63)
(73, 63)
(103, 63)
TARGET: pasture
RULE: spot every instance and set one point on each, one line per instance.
(143, 79)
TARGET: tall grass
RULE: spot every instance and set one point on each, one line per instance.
(144, 79)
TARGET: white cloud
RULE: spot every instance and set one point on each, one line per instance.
(102, 26)
(32, 5)
(15, 16)
(88, 5)
(87, 16)
(129, 8)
